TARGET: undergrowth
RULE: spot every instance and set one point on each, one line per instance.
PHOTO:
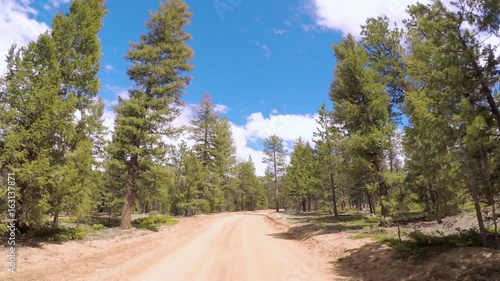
(153, 222)
(60, 234)
(421, 246)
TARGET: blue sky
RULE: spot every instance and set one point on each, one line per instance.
(268, 64)
(253, 58)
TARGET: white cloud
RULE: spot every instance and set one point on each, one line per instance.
(124, 94)
(257, 128)
(221, 108)
(117, 92)
(309, 27)
(18, 27)
(279, 31)
(265, 49)
(57, 3)
(243, 151)
(348, 16)
(288, 23)
(109, 121)
(287, 126)
(108, 67)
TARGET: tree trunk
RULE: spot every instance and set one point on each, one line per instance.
(399, 233)
(383, 194)
(126, 218)
(438, 214)
(494, 213)
(276, 182)
(382, 185)
(269, 197)
(309, 203)
(479, 214)
(370, 203)
(362, 199)
(473, 188)
(334, 198)
(55, 221)
(303, 203)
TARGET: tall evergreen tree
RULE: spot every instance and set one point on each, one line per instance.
(159, 60)
(457, 73)
(250, 193)
(203, 130)
(274, 157)
(189, 181)
(362, 108)
(47, 84)
(327, 143)
(387, 57)
(301, 174)
(224, 153)
(214, 147)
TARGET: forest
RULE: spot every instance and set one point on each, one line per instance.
(412, 128)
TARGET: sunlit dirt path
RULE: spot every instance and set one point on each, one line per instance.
(238, 247)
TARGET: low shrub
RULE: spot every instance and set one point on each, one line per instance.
(421, 245)
(4, 228)
(67, 234)
(380, 220)
(153, 222)
(98, 226)
(59, 234)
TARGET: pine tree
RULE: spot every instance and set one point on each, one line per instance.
(327, 141)
(35, 120)
(387, 57)
(250, 193)
(274, 157)
(225, 159)
(301, 174)
(214, 147)
(457, 73)
(159, 61)
(203, 130)
(189, 181)
(362, 108)
(79, 52)
(46, 85)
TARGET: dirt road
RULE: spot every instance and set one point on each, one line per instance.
(239, 247)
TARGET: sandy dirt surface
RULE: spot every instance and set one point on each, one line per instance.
(366, 260)
(238, 246)
(242, 247)
(77, 260)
